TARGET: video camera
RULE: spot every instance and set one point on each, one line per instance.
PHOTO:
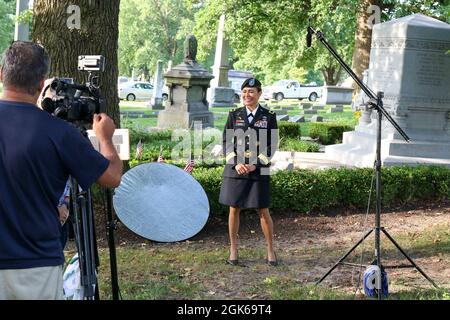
(77, 102)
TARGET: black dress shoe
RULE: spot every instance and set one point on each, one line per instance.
(272, 263)
(232, 262)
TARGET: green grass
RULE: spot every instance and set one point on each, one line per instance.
(290, 144)
(221, 114)
(196, 270)
(140, 105)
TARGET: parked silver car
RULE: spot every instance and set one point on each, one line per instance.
(132, 91)
(139, 90)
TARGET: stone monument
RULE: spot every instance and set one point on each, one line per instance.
(221, 95)
(22, 29)
(337, 95)
(187, 83)
(156, 100)
(409, 63)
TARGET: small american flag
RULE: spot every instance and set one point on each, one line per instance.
(139, 150)
(189, 166)
(160, 158)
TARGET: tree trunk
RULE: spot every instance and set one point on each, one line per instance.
(331, 75)
(363, 39)
(96, 34)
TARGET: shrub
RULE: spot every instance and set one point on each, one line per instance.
(328, 133)
(290, 144)
(289, 130)
(308, 190)
(211, 180)
(148, 137)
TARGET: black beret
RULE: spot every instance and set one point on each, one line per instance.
(252, 83)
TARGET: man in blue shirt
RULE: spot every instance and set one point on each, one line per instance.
(38, 152)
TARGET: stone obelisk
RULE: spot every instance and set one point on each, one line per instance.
(221, 95)
(187, 84)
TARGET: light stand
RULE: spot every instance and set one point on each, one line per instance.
(110, 227)
(376, 102)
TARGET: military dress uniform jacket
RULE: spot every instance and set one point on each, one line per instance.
(253, 143)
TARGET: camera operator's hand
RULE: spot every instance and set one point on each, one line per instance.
(103, 127)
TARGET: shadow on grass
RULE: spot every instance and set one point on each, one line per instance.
(421, 294)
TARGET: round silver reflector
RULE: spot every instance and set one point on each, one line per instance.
(161, 202)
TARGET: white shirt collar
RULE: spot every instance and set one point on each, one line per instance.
(253, 112)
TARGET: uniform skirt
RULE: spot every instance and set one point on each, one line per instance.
(245, 193)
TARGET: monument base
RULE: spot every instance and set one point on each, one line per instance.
(337, 95)
(176, 119)
(358, 149)
(156, 104)
(222, 97)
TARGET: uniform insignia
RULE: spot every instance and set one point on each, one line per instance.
(239, 123)
(261, 124)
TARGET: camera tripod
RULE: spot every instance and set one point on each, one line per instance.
(81, 205)
(376, 103)
(84, 228)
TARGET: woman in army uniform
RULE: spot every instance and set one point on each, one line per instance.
(249, 140)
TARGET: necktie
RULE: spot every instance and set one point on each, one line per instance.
(250, 117)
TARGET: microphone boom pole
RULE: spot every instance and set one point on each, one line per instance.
(376, 103)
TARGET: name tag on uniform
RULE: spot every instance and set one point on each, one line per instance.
(239, 123)
(260, 124)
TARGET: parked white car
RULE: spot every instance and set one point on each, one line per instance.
(291, 89)
(139, 90)
(132, 91)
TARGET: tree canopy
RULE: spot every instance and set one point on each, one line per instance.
(7, 12)
(268, 37)
(152, 30)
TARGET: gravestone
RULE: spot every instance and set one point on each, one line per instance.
(284, 117)
(316, 119)
(280, 112)
(361, 99)
(187, 84)
(157, 99)
(297, 119)
(335, 109)
(305, 105)
(408, 62)
(221, 93)
(309, 111)
(318, 107)
(337, 95)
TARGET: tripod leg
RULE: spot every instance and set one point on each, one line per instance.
(112, 247)
(345, 256)
(409, 259)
